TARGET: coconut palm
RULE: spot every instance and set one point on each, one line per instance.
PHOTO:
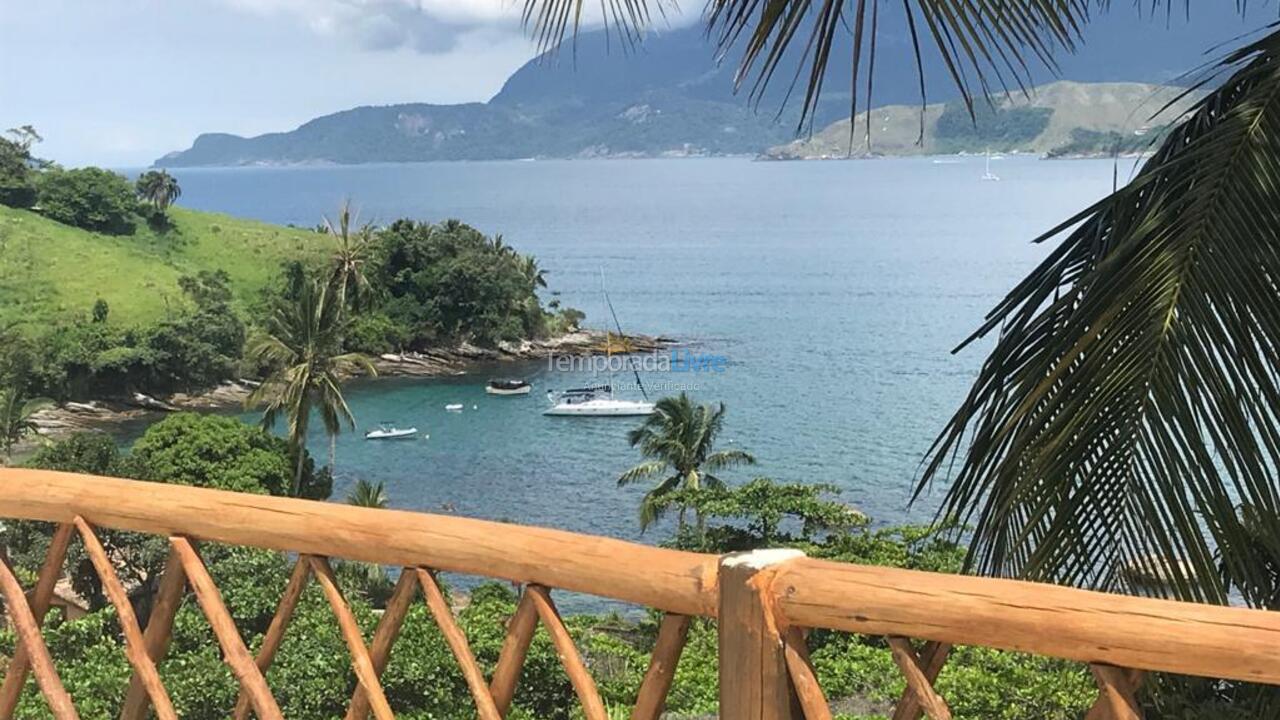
(302, 344)
(16, 411)
(158, 188)
(1128, 410)
(354, 245)
(679, 441)
(367, 494)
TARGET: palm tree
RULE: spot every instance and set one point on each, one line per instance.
(354, 245)
(158, 188)
(367, 494)
(679, 439)
(15, 416)
(1127, 414)
(302, 344)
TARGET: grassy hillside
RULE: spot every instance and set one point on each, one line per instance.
(50, 271)
(1055, 116)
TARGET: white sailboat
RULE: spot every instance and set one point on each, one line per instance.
(598, 400)
(595, 401)
(988, 175)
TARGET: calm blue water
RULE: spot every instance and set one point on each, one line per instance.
(836, 290)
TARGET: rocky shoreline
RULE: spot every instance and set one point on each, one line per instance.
(105, 414)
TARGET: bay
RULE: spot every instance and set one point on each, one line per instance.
(835, 291)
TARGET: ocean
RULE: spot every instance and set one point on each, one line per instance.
(830, 296)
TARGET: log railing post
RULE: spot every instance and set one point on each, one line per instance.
(754, 681)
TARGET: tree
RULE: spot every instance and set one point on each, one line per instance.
(90, 198)
(158, 188)
(17, 181)
(367, 494)
(764, 513)
(679, 440)
(302, 344)
(215, 451)
(350, 257)
(16, 411)
(101, 310)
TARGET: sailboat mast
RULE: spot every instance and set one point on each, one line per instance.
(618, 325)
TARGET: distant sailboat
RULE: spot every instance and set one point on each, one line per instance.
(988, 175)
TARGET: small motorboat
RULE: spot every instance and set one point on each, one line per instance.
(453, 407)
(508, 386)
(387, 431)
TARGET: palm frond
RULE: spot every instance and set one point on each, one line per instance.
(728, 458)
(984, 46)
(643, 471)
(1132, 400)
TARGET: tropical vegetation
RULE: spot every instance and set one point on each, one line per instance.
(311, 676)
(301, 343)
(679, 441)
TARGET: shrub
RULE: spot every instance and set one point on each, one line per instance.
(89, 198)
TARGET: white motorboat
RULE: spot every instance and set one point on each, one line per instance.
(595, 401)
(386, 431)
(508, 387)
(453, 407)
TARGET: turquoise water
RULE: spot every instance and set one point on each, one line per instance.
(836, 291)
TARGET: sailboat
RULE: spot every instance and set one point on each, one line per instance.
(599, 400)
(988, 175)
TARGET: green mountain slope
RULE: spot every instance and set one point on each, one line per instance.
(50, 271)
(1059, 118)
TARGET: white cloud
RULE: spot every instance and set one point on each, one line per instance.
(425, 26)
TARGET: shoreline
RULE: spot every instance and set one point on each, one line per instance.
(106, 414)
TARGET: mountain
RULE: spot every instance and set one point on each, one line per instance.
(1061, 118)
(670, 96)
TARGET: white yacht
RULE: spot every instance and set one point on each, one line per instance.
(595, 401)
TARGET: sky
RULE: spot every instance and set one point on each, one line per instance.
(119, 83)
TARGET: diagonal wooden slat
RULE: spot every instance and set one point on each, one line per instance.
(275, 631)
(932, 658)
(156, 636)
(224, 628)
(360, 661)
(515, 647)
(652, 698)
(457, 640)
(583, 684)
(803, 678)
(38, 659)
(1117, 689)
(917, 682)
(15, 675)
(135, 647)
(384, 636)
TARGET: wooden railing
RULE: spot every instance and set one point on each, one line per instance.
(764, 602)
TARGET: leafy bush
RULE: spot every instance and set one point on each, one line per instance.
(221, 452)
(89, 198)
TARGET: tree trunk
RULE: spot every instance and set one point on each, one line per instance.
(333, 451)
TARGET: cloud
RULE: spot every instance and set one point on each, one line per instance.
(424, 26)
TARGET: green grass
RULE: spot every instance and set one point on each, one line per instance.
(50, 271)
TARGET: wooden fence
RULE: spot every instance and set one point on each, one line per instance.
(764, 602)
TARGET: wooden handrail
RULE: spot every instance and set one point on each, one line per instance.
(763, 597)
(1092, 627)
(669, 580)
